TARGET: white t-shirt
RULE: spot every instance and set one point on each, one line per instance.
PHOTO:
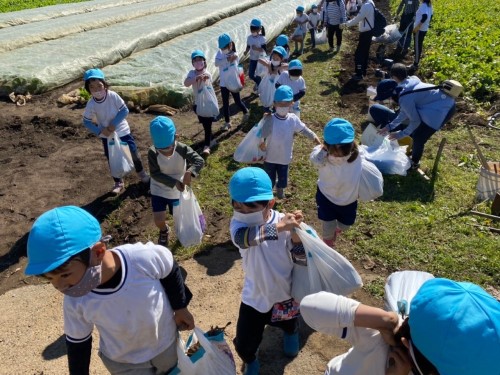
(191, 77)
(175, 167)
(257, 41)
(103, 112)
(268, 268)
(280, 142)
(424, 8)
(314, 18)
(223, 65)
(298, 85)
(135, 320)
(299, 20)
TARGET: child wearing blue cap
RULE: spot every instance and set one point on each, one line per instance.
(282, 41)
(313, 23)
(453, 328)
(256, 45)
(293, 78)
(268, 245)
(169, 173)
(110, 111)
(133, 294)
(301, 19)
(340, 169)
(196, 77)
(227, 56)
(275, 65)
(278, 138)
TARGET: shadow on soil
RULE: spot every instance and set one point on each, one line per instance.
(219, 258)
(56, 349)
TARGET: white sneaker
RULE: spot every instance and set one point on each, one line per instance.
(206, 150)
(245, 117)
(226, 126)
(143, 176)
(118, 188)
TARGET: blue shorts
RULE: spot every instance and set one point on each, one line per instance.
(160, 204)
(328, 211)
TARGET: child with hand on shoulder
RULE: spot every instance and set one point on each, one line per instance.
(134, 294)
(278, 138)
(110, 111)
(340, 170)
(227, 56)
(195, 78)
(301, 19)
(293, 78)
(169, 172)
(256, 45)
(266, 241)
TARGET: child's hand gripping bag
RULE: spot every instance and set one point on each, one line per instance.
(251, 150)
(233, 81)
(371, 185)
(189, 221)
(266, 90)
(206, 101)
(328, 270)
(400, 289)
(120, 159)
(204, 354)
(320, 37)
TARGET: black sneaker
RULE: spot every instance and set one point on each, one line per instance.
(357, 77)
(414, 166)
(163, 237)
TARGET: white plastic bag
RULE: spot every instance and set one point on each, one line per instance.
(371, 137)
(388, 157)
(320, 37)
(488, 184)
(261, 70)
(371, 185)
(248, 151)
(120, 159)
(213, 357)
(189, 222)
(266, 89)
(328, 270)
(206, 101)
(401, 287)
(233, 81)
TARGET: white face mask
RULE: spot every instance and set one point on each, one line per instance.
(251, 219)
(315, 11)
(199, 65)
(294, 78)
(255, 33)
(338, 160)
(99, 94)
(225, 51)
(276, 62)
(91, 279)
(282, 111)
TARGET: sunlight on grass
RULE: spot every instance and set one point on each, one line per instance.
(11, 6)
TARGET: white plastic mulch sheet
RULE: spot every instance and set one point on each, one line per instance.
(157, 75)
(42, 66)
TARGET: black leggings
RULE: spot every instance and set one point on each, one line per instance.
(207, 127)
(225, 102)
(362, 52)
(334, 29)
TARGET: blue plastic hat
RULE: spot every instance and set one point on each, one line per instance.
(256, 23)
(385, 89)
(93, 73)
(338, 131)
(281, 40)
(283, 93)
(300, 8)
(456, 326)
(250, 184)
(57, 235)
(314, 6)
(295, 65)
(162, 131)
(197, 53)
(279, 50)
(224, 40)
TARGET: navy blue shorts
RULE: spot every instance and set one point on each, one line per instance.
(160, 204)
(328, 211)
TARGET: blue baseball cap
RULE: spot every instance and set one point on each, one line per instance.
(197, 53)
(279, 50)
(256, 23)
(295, 65)
(300, 8)
(385, 89)
(283, 93)
(338, 131)
(282, 40)
(314, 6)
(93, 73)
(224, 40)
(456, 326)
(250, 184)
(162, 131)
(57, 235)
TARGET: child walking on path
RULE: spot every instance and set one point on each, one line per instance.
(109, 110)
(340, 169)
(169, 173)
(195, 78)
(314, 18)
(279, 138)
(266, 240)
(256, 45)
(293, 78)
(226, 56)
(301, 19)
(282, 41)
(133, 294)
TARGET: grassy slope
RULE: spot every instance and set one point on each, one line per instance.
(11, 6)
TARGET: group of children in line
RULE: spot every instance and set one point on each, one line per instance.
(67, 247)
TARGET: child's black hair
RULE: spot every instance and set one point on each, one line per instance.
(295, 72)
(258, 28)
(345, 149)
(254, 204)
(87, 83)
(82, 257)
